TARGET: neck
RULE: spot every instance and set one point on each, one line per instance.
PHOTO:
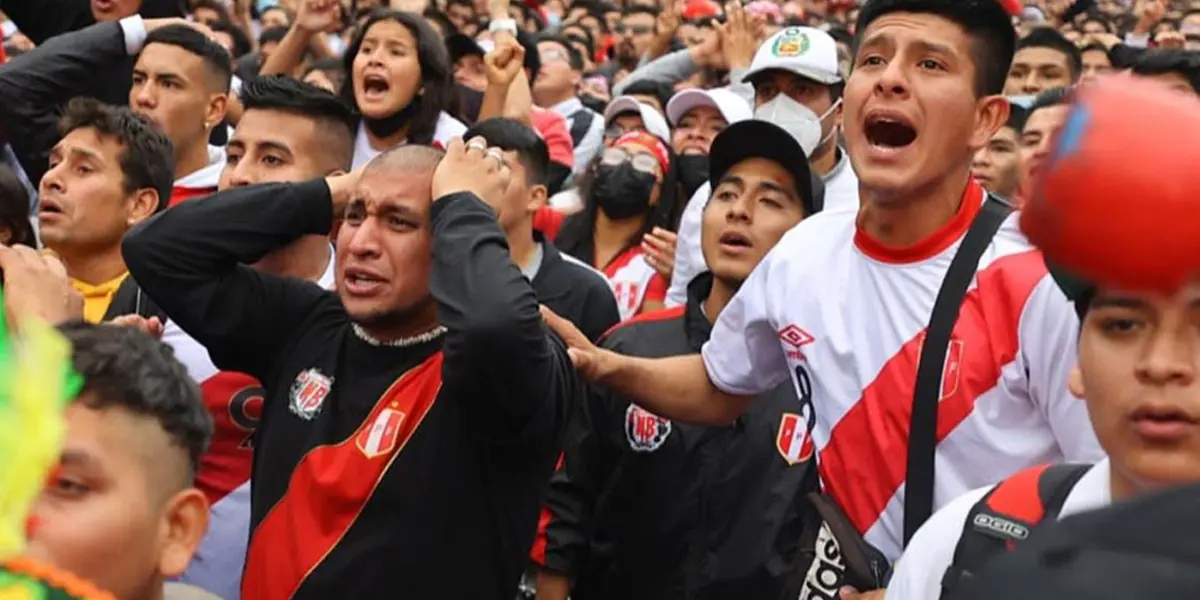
(610, 235)
(306, 258)
(1123, 487)
(416, 321)
(549, 99)
(191, 160)
(904, 219)
(718, 298)
(90, 267)
(383, 143)
(826, 158)
(521, 245)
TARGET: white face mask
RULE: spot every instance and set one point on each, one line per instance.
(796, 119)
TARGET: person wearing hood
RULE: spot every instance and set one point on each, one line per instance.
(797, 86)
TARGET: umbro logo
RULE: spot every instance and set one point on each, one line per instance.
(795, 337)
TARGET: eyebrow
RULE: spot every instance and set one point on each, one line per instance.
(77, 152)
(76, 458)
(1110, 301)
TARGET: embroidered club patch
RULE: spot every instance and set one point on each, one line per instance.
(645, 430)
(792, 42)
(308, 393)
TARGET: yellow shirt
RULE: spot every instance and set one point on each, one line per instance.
(96, 298)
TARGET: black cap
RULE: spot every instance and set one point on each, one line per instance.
(1078, 290)
(760, 139)
(459, 45)
(1145, 549)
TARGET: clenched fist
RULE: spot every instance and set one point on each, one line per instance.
(472, 167)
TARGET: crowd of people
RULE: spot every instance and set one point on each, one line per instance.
(648, 299)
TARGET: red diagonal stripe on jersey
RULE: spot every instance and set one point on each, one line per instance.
(865, 460)
(329, 489)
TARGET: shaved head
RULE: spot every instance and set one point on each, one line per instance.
(407, 159)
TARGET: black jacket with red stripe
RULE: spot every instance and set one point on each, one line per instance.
(379, 472)
(646, 508)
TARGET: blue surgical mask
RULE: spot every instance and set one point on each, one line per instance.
(1022, 101)
(553, 20)
(263, 5)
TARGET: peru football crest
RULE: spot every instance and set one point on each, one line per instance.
(794, 440)
(645, 430)
(308, 393)
(380, 438)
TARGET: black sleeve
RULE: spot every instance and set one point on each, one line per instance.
(600, 313)
(34, 85)
(192, 258)
(1123, 56)
(41, 20)
(590, 463)
(499, 355)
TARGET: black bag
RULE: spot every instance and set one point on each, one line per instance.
(832, 552)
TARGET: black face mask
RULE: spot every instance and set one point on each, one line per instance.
(693, 172)
(622, 191)
(389, 125)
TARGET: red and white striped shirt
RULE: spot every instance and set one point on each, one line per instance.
(830, 304)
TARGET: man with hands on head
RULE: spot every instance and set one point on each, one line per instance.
(413, 417)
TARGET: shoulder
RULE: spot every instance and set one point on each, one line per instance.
(919, 572)
(586, 274)
(653, 323)
(813, 242)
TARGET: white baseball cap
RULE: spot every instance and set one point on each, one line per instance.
(730, 105)
(805, 51)
(654, 122)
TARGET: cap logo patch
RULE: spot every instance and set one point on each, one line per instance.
(792, 42)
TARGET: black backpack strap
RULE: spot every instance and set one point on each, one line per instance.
(1006, 516)
(129, 299)
(922, 435)
(581, 122)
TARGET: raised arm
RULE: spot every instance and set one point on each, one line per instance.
(34, 85)
(498, 352)
(192, 261)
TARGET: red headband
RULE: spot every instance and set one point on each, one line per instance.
(648, 141)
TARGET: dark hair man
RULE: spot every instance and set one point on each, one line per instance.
(181, 81)
(1179, 69)
(635, 33)
(422, 401)
(997, 166)
(923, 97)
(556, 87)
(631, 480)
(290, 132)
(1095, 61)
(567, 285)
(1044, 59)
(120, 509)
(110, 171)
(1044, 118)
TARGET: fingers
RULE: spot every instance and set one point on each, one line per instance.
(565, 329)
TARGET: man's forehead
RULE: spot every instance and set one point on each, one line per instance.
(167, 58)
(903, 27)
(1047, 117)
(88, 140)
(762, 171)
(1039, 56)
(396, 187)
(258, 126)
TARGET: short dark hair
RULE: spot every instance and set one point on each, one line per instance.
(1046, 37)
(649, 87)
(331, 67)
(508, 134)
(436, 72)
(984, 21)
(1016, 118)
(1159, 61)
(1048, 98)
(216, 59)
(641, 9)
(241, 41)
(285, 94)
(14, 209)
(125, 368)
(272, 35)
(1092, 47)
(574, 58)
(147, 156)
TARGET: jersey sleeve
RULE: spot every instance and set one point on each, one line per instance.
(743, 355)
(919, 572)
(1048, 333)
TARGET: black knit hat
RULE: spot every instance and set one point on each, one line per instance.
(1145, 549)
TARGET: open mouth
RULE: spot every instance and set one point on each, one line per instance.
(48, 206)
(889, 131)
(375, 86)
(734, 240)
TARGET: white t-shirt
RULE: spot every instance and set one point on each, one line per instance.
(447, 128)
(918, 575)
(841, 192)
(830, 305)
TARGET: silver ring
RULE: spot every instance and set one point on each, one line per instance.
(497, 154)
(481, 146)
